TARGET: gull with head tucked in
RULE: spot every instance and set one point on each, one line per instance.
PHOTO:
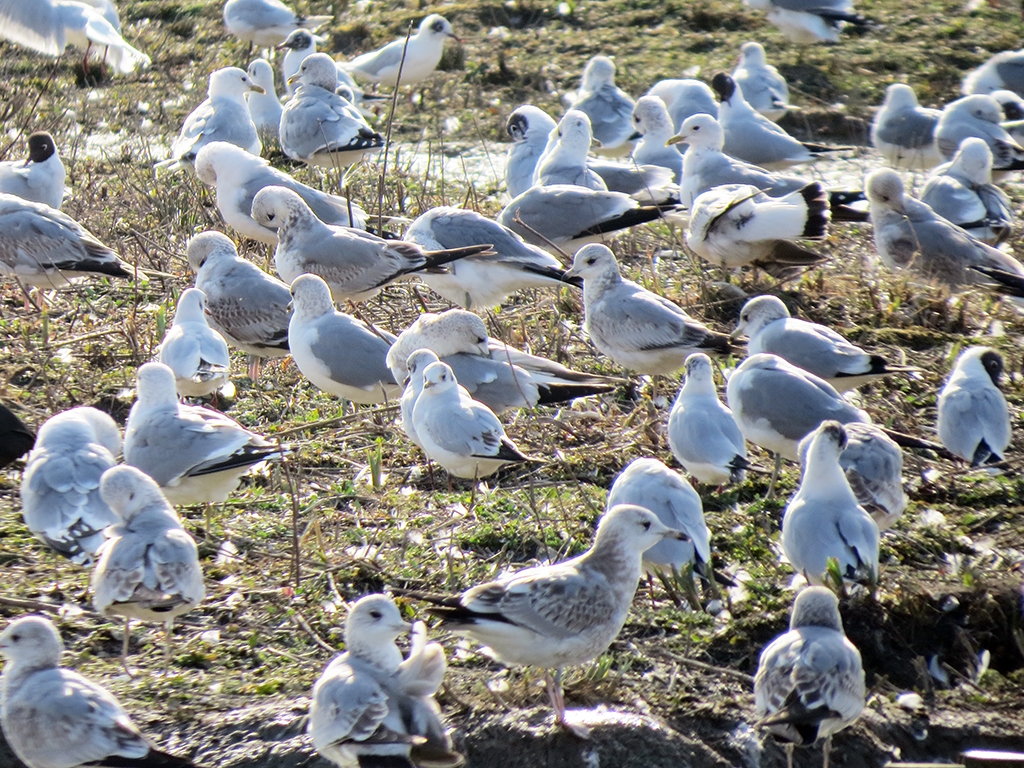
(355, 264)
(979, 116)
(338, 353)
(40, 177)
(810, 682)
(196, 455)
(762, 85)
(903, 131)
(1004, 71)
(609, 108)
(685, 98)
(636, 328)
(196, 353)
(265, 23)
(55, 718)
(60, 489)
(973, 417)
(422, 55)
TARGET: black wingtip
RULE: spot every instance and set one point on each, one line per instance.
(562, 393)
(818, 213)
(1006, 282)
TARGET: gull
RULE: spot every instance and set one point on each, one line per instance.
(223, 116)
(974, 419)
(979, 116)
(422, 54)
(564, 160)
(566, 217)
(706, 166)
(354, 263)
(809, 21)
(873, 464)
(809, 682)
(824, 520)
(654, 128)
(456, 431)
(266, 23)
(338, 353)
(497, 375)
(55, 718)
(815, 348)
(300, 44)
(319, 127)
(108, 10)
(196, 455)
(903, 131)
(685, 98)
(196, 353)
(1013, 113)
(1004, 71)
(60, 490)
(44, 248)
(371, 706)
(264, 108)
(15, 438)
(753, 138)
(609, 108)
(246, 305)
(415, 364)
(636, 328)
(40, 177)
(962, 192)
(650, 484)
(148, 568)
(762, 85)
(238, 176)
(736, 224)
(910, 235)
(48, 26)
(702, 432)
(481, 282)
(562, 614)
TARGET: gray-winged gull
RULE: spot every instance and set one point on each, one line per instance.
(763, 87)
(654, 128)
(264, 108)
(564, 160)
(196, 353)
(980, 116)
(973, 417)
(266, 23)
(422, 55)
(903, 131)
(39, 177)
(609, 108)
(809, 21)
(685, 98)
(1004, 70)
(416, 364)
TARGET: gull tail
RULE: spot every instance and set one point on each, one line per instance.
(244, 457)
(818, 149)
(716, 343)
(561, 393)
(818, 212)
(1009, 283)
(435, 259)
(837, 16)
(127, 59)
(553, 273)
(983, 454)
(916, 443)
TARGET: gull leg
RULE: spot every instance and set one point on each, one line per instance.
(789, 749)
(168, 639)
(650, 586)
(85, 60)
(775, 476)
(254, 367)
(557, 696)
(826, 750)
(124, 647)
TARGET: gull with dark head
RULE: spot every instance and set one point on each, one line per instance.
(38, 178)
(973, 418)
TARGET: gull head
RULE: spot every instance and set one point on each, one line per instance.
(974, 160)
(980, 107)
(41, 147)
(417, 363)
(300, 40)
(345, 91)
(439, 378)
(635, 528)
(827, 443)
(373, 622)
(129, 491)
(274, 207)
(697, 368)
(457, 330)
(224, 161)
(154, 385)
(574, 133)
(191, 306)
(231, 82)
(209, 247)
(262, 74)
(884, 187)
(311, 297)
(724, 86)
(700, 131)
(981, 361)
(899, 96)
(593, 261)
(752, 55)
(33, 640)
(816, 607)
(651, 117)
(600, 71)
(1010, 103)
(317, 69)
(529, 122)
(758, 313)
(437, 26)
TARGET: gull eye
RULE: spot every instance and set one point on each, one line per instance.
(647, 525)
(696, 127)
(376, 614)
(270, 216)
(15, 637)
(591, 261)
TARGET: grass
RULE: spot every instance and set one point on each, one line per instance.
(356, 496)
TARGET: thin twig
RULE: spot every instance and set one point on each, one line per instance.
(299, 619)
(387, 134)
(743, 677)
(296, 558)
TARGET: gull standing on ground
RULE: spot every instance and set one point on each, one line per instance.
(563, 614)
(815, 348)
(354, 263)
(753, 138)
(55, 718)
(422, 55)
(873, 464)
(238, 176)
(903, 131)
(702, 432)
(685, 98)
(809, 682)
(824, 520)
(250, 308)
(60, 490)
(196, 455)
(481, 282)
(459, 433)
(196, 353)
(371, 706)
(223, 116)
(338, 353)
(979, 116)
(40, 177)
(266, 23)
(654, 128)
(564, 160)
(609, 108)
(736, 224)
(497, 375)
(148, 569)
(650, 484)
(636, 328)
(44, 248)
(16, 439)
(1004, 71)
(805, 22)
(48, 26)
(319, 127)
(910, 235)
(264, 108)
(415, 364)
(299, 45)
(962, 192)
(761, 84)
(973, 418)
